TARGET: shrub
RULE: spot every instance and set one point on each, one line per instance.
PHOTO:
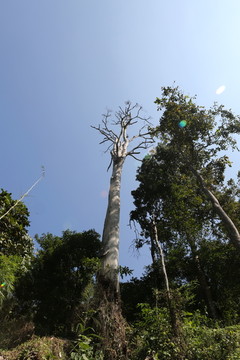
(152, 334)
(46, 348)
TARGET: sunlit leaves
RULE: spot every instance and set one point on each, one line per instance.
(207, 131)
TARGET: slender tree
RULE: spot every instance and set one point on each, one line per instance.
(121, 145)
(153, 201)
(180, 219)
(197, 137)
(170, 300)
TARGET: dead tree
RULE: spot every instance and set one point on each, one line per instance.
(120, 147)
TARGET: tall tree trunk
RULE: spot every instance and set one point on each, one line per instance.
(110, 316)
(110, 238)
(233, 232)
(112, 323)
(203, 282)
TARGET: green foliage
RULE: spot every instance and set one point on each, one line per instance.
(200, 144)
(151, 334)
(62, 269)
(221, 263)
(138, 291)
(191, 234)
(124, 271)
(9, 267)
(84, 347)
(56, 293)
(207, 131)
(16, 251)
(206, 343)
(14, 239)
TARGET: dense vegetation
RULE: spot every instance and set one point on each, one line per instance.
(186, 304)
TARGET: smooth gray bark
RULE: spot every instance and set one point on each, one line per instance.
(119, 143)
(161, 254)
(110, 238)
(112, 324)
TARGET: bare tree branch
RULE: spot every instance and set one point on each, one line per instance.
(119, 141)
(106, 133)
(135, 157)
(109, 147)
(110, 164)
(142, 145)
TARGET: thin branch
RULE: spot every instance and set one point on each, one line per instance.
(105, 122)
(106, 133)
(142, 145)
(139, 146)
(124, 119)
(135, 157)
(103, 141)
(133, 152)
(110, 164)
(146, 135)
(24, 195)
(109, 147)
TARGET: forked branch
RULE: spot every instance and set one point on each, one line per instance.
(120, 140)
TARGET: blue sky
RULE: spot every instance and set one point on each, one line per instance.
(62, 63)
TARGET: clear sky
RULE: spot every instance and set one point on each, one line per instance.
(63, 62)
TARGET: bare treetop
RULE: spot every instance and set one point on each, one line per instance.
(119, 139)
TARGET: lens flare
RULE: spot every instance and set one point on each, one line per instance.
(182, 123)
(221, 89)
(104, 194)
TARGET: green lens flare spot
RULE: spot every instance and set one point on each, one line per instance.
(182, 123)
